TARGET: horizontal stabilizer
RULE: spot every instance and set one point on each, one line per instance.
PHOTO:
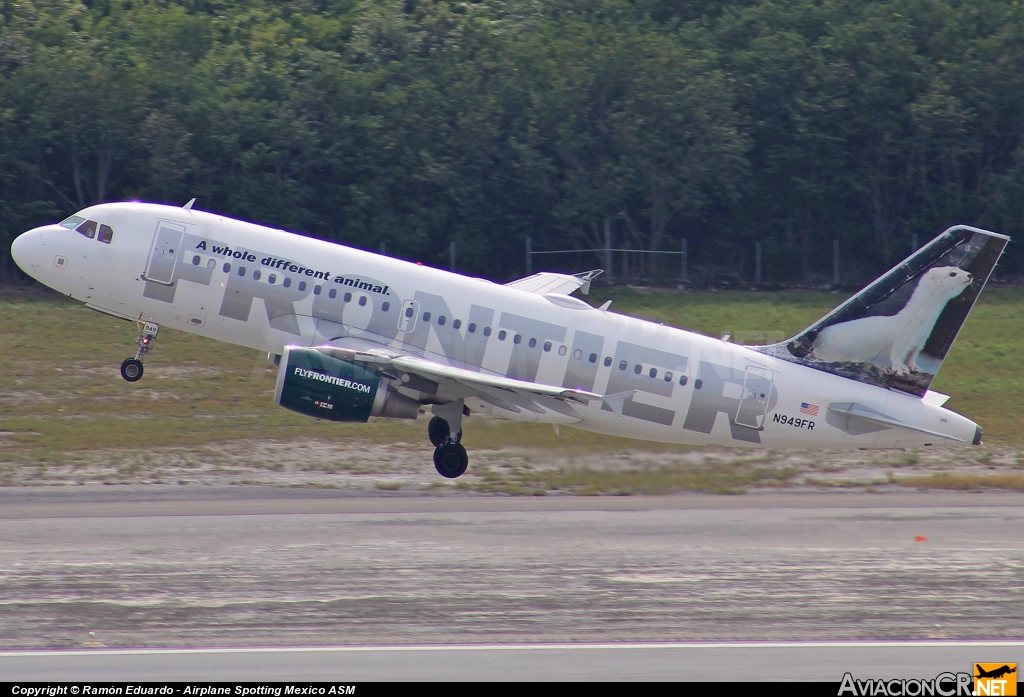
(936, 399)
(863, 413)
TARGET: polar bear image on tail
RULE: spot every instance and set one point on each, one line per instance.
(894, 342)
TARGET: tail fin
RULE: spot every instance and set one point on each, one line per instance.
(896, 332)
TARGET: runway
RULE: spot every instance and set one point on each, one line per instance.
(98, 569)
(819, 662)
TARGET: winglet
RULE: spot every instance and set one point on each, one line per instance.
(604, 308)
(587, 277)
(616, 401)
(188, 206)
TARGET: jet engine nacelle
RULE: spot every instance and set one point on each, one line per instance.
(316, 384)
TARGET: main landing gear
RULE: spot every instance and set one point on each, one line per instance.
(131, 368)
(450, 457)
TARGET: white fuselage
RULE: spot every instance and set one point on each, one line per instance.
(183, 269)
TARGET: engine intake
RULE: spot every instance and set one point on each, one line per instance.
(316, 384)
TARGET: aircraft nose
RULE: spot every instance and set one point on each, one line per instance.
(25, 250)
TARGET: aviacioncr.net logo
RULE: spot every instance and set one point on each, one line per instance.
(943, 685)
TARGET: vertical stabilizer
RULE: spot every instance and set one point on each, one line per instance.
(896, 332)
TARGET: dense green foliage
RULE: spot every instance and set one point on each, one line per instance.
(418, 122)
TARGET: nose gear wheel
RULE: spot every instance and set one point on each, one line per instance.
(131, 369)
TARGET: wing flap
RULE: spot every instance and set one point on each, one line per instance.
(427, 368)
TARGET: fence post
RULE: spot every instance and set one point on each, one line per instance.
(913, 243)
(683, 263)
(451, 256)
(529, 256)
(757, 263)
(835, 262)
(608, 249)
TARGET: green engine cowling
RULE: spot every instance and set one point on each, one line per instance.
(312, 382)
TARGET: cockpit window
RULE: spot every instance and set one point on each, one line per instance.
(106, 234)
(73, 222)
(88, 228)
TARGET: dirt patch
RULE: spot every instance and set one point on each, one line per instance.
(367, 465)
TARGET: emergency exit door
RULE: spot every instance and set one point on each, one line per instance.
(757, 390)
(166, 249)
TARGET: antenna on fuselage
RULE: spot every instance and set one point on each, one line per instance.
(188, 206)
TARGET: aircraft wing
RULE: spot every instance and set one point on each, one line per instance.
(548, 282)
(445, 383)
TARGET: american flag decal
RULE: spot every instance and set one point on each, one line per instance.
(806, 408)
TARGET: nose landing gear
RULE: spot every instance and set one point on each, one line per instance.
(131, 368)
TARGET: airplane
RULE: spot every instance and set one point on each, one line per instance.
(995, 673)
(359, 335)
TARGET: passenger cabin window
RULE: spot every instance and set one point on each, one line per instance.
(682, 380)
(196, 260)
(501, 335)
(562, 350)
(577, 354)
(408, 312)
(362, 301)
(607, 361)
(241, 270)
(272, 279)
(287, 283)
(441, 320)
(517, 338)
(106, 234)
(302, 286)
(547, 345)
(385, 307)
(487, 331)
(88, 228)
(256, 275)
(347, 298)
(333, 293)
(316, 290)
(457, 324)
(227, 268)
(426, 316)
(533, 343)
(471, 328)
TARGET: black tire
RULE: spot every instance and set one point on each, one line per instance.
(451, 460)
(131, 369)
(438, 431)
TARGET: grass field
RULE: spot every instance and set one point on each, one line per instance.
(64, 408)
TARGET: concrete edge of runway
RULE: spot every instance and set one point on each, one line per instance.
(85, 504)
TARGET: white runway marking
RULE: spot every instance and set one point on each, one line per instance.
(774, 661)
